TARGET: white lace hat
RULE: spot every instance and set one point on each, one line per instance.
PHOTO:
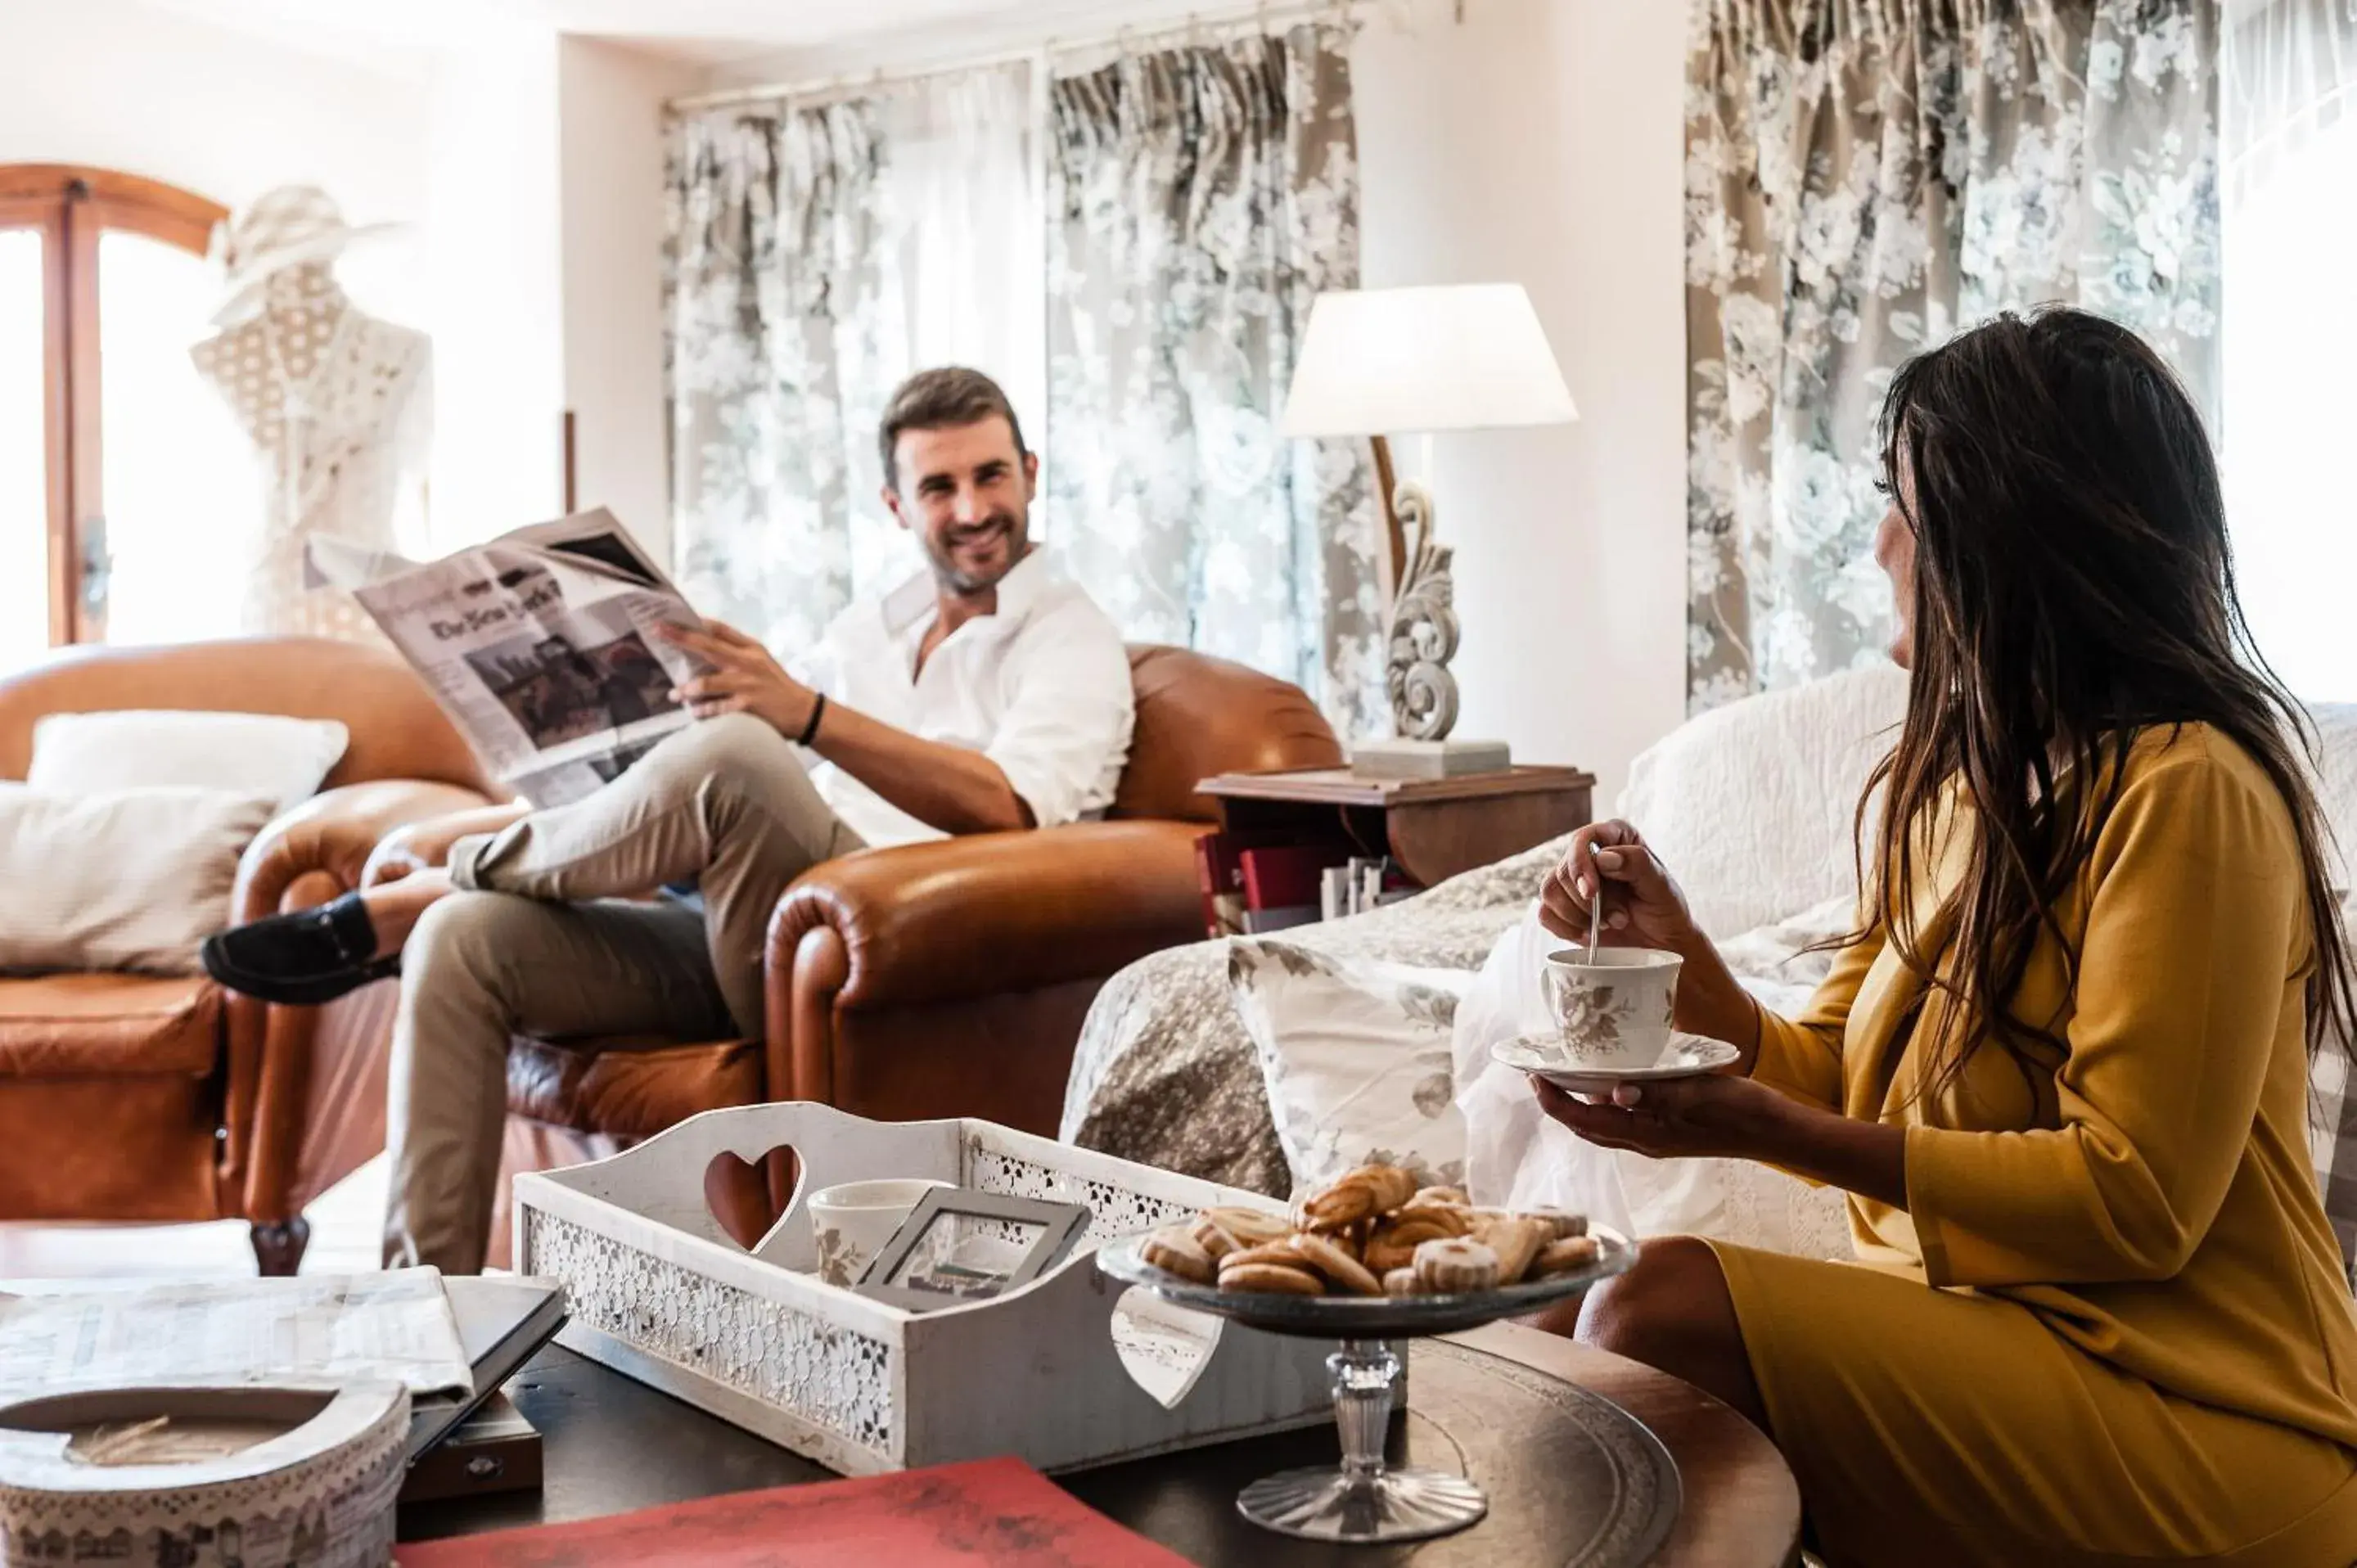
(283, 228)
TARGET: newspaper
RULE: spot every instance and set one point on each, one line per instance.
(540, 645)
(63, 1336)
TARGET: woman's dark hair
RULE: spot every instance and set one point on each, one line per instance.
(2073, 587)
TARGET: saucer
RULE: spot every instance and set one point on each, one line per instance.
(1688, 1055)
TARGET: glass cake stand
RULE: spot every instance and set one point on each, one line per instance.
(1364, 1499)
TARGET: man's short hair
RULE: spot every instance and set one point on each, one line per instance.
(942, 400)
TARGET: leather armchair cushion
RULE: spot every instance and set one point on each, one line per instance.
(954, 920)
(1197, 716)
(633, 1088)
(109, 1025)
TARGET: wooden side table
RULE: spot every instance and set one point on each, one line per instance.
(1432, 828)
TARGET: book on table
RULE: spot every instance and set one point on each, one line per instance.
(1251, 885)
(995, 1513)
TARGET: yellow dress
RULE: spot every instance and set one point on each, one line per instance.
(2111, 1325)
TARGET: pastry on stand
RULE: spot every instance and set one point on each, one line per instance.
(1369, 1260)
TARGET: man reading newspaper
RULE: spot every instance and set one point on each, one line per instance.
(987, 694)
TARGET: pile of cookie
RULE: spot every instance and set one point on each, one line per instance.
(1373, 1232)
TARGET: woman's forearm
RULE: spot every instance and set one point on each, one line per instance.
(1865, 1157)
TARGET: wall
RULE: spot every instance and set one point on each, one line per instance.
(610, 144)
(126, 86)
(495, 278)
(1539, 141)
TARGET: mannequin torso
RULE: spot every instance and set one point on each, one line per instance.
(335, 403)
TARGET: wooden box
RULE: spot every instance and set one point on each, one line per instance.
(1058, 1373)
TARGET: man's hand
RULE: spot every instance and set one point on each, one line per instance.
(745, 679)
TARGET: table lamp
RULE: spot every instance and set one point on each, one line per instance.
(1379, 362)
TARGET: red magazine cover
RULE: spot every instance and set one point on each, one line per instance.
(992, 1514)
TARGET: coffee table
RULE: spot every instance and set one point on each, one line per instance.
(611, 1445)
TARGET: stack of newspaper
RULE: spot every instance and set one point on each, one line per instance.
(539, 644)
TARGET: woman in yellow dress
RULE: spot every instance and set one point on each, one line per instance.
(2097, 1314)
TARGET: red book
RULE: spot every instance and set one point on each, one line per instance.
(1222, 883)
(998, 1512)
(1285, 876)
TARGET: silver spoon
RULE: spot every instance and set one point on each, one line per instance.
(1594, 901)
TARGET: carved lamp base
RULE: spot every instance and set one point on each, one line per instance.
(1421, 640)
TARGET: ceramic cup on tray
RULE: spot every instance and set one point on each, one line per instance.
(1612, 1006)
(853, 1220)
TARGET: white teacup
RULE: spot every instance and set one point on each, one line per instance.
(853, 1220)
(1612, 1008)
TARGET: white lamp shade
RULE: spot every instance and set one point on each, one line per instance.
(1397, 361)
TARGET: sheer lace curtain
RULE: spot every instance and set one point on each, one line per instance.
(963, 186)
(2290, 331)
(819, 255)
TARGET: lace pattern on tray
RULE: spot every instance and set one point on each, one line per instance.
(1114, 1211)
(835, 1378)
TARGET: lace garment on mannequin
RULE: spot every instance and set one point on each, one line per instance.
(337, 405)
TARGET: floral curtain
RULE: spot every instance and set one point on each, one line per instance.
(1199, 198)
(779, 361)
(1864, 177)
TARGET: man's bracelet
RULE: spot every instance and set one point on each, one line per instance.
(810, 730)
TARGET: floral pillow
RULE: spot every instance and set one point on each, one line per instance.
(1355, 1055)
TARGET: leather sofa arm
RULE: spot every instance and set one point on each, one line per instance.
(335, 832)
(993, 912)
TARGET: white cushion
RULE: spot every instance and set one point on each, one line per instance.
(2336, 780)
(133, 879)
(248, 753)
(1519, 1158)
(1752, 806)
(1355, 1057)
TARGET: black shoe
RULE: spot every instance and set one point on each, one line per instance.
(302, 959)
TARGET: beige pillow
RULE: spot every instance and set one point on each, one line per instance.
(130, 879)
(1354, 1055)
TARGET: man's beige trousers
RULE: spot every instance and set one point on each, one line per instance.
(547, 939)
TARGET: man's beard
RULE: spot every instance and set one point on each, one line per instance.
(943, 555)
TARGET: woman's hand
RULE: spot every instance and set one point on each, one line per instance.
(1642, 904)
(1724, 1117)
(1710, 1116)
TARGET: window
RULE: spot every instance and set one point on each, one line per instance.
(128, 498)
(2288, 337)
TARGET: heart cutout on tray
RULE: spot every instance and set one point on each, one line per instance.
(1163, 1348)
(747, 1198)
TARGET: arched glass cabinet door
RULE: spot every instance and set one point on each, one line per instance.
(128, 498)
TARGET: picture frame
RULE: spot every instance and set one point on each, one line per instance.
(959, 1246)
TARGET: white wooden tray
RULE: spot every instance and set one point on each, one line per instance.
(1058, 1373)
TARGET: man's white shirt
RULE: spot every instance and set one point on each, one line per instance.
(1040, 686)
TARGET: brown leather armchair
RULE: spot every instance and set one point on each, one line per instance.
(948, 978)
(162, 1098)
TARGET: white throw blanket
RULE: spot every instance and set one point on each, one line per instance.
(1517, 1158)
